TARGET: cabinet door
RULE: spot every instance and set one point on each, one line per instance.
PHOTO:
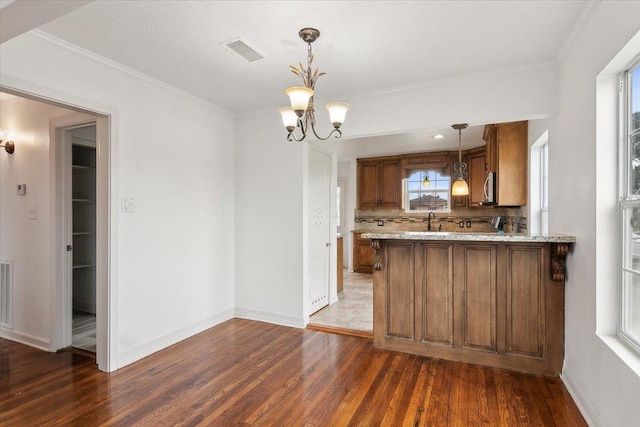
(390, 184)
(362, 254)
(368, 184)
(477, 176)
(400, 290)
(525, 302)
(434, 305)
(476, 281)
(512, 164)
(491, 149)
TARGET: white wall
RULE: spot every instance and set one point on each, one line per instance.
(269, 178)
(582, 157)
(172, 260)
(23, 240)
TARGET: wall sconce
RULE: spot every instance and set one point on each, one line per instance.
(9, 146)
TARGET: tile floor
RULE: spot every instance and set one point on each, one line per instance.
(354, 309)
(84, 331)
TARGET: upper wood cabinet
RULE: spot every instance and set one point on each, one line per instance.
(380, 183)
(477, 175)
(506, 155)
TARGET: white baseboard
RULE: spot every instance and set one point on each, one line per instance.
(161, 343)
(579, 398)
(278, 319)
(26, 339)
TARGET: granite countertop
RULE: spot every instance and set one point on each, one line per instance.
(470, 237)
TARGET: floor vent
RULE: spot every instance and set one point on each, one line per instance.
(242, 48)
(6, 287)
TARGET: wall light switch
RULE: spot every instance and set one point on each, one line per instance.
(128, 204)
(33, 212)
(22, 189)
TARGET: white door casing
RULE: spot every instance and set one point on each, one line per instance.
(319, 229)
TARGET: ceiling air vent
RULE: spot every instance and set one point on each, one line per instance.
(240, 47)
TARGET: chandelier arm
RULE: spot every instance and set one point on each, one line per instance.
(338, 131)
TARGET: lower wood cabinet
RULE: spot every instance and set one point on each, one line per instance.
(484, 303)
(362, 254)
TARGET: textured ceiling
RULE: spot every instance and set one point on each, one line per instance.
(364, 47)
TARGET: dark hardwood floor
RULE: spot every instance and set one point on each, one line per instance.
(251, 373)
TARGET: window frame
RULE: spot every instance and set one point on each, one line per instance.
(406, 193)
(626, 203)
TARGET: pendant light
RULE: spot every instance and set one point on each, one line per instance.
(460, 187)
(426, 181)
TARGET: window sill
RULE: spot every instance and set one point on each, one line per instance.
(623, 351)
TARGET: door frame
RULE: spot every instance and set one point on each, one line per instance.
(62, 289)
(107, 122)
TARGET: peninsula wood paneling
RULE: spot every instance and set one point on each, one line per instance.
(400, 291)
(488, 303)
(525, 301)
(478, 298)
(434, 274)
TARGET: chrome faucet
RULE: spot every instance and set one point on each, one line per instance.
(429, 220)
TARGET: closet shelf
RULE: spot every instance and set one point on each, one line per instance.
(82, 168)
(76, 266)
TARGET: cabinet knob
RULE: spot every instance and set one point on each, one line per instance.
(69, 248)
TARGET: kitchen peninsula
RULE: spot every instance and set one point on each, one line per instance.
(492, 299)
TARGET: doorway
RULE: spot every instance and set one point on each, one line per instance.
(82, 211)
(50, 181)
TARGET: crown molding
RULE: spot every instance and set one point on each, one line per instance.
(130, 71)
(578, 27)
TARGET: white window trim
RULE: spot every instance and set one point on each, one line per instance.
(626, 202)
(406, 196)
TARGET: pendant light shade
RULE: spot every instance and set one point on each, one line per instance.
(289, 118)
(337, 112)
(299, 97)
(460, 187)
(426, 181)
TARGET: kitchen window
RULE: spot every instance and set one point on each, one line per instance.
(629, 208)
(427, 191)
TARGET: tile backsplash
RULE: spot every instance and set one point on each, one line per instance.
(472, 220)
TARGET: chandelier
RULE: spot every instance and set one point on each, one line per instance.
(460, 187)
(301, 114)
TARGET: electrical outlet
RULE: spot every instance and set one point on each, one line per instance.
(380, 223)
(128, 204)
(468, 224)
(461, 224)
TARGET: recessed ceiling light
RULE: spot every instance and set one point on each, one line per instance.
(438, 136)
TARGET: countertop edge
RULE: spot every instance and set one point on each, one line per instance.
(471, 237)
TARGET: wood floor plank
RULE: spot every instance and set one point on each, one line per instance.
(247, 373)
